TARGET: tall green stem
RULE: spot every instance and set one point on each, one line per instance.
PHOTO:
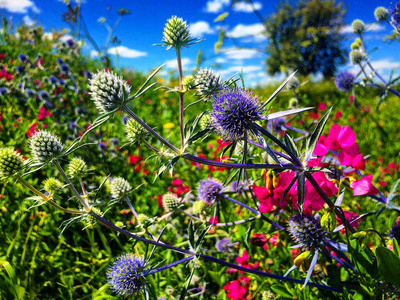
(181, 95)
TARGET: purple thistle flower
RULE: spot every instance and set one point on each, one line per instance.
(60, 61)
(102, 146)
(224, 245)
(306, 230)
(395, 233)
(125, 120)
(3, 91)
(43, 95)
(52, 80)
(23, 58)
(70, 43)
(20, 69)
(395, 15)
(114, 142)
(61, 82)
(344, 81)
(208, 190)
(125, 275)
(88, 74)
(277, 125)
(64, 68)
(234, 113)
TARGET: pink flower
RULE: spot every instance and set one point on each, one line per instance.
(214, 220)
(338, 114)
(235, 291)
(347, 154)
(43, 113)
(177, 182)
(350, 216)
(321, 106)
(340, 137)
(364, 186)
(320, 148)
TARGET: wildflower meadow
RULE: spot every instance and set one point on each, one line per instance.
(122, 184)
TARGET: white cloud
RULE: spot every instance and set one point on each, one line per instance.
(215, 6)
(172, 64)
(126, 52)
(28, 21)
(245, 7)
(18, 6)
(233, 53)
(385, 64)
(221, 60)
(248, 70)
(200, 28)
(252, 32)
(94, 53)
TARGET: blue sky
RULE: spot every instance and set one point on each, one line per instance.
(139, 31)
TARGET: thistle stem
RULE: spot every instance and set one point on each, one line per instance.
(171, 265)
(131, 207)
(181, 95)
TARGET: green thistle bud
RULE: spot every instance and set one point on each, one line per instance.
(119, 224)
(106, 90)
(299, 260)
(188, 82)
(53, 186)
(354, 46)
(77, 167)
(205, 121)
(170, 202)
(207, 82)
(358, 26)
(293, 83)
(356, 57)
(44, 146)
(328, 221)
(381, 13)
(293, 103)
(199, 207)
(143, 220)
(358, 41)
(239, 149)
(135, 132)
(10, 162)
(89, 220)
(120, 187)
(176, 33)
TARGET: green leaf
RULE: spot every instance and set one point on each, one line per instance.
(265, 145)
(186, 285)
(388, 265)
(140, 90)
(282, 291)
(301, 189)
(279, 89)
(396, 249)
(291, 145)
(191, 235)
(312, 141)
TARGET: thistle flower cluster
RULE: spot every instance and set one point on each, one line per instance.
(381, 13)
(208, 190)
(53, 186)
(306, 230)
(119, 187)
(356, 57)
(135, 132)
(170, 202)
(344, 81)
(234, 112)
(77, 167)
(176, 33)
(126, 275)
(358, 26)
(207, 82)
(44, 146)
(10, 162)
(107, 91)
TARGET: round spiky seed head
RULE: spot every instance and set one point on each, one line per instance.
(170, 202)
(44, 146)
(199, 207)
(205, 121)
(268, 295)
(10, 162)
(306, 230)
(52, 186)
(77, 167)
(188, 82)
(120, 187)
(106, 90)
(356, 57)
(293, 83)
(176, 33)
(89, 220)
(358, 26)
(207, 82)
(135, 132)
(143, 220)
(381, 13)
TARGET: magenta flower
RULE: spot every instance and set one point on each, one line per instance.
(235, 291)
(340, 137)
(364, 186)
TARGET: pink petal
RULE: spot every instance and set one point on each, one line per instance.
(362, 186)
(358, 162)
(347, 154)
(346, 137)
(320, 150)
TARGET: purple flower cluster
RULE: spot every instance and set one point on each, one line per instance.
(208, 190)
(344, 81)
(234, 112)
(306, 230)
(395, 15)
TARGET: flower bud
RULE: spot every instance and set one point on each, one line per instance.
(10, 162)
(135, 132)
(143, 220)
(293, 83)
(199, 207)
(356, 57)
(381, 13)
(205, 121)
(188, 82)
(120, 187)
(77, 167)
(176, 33)
(107, 91)
(53, 186)
(44, 146)
(358, 26)
(328, 221)
(170, 202)
(207, 82)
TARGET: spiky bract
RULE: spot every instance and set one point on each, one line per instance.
(207, 82)
(170, 202)
(44, 146)
(176, 33)
(10, 162)
(120, 187)
(135, 132)
(306, 230)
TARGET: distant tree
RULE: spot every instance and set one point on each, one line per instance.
(306, 38)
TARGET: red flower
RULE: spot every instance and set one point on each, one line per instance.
(177, 182)
(133, 160)
(31, 131)
(338, 114)
(43, 113)
(235, 291)
(321, 106)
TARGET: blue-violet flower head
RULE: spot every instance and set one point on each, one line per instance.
(208, 190)
(344, 81)
(306, 230)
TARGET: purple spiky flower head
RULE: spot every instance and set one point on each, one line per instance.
(395, 233)
(208, 190)
(234, 112)
(395, 15)
(52, 80)
(20, 69)
(277, 125)
(3, 91)
(70, 43)
(306, 230)
(344, 81)
(64, 68)
(125, 275)
(60, 61)
(23, 58)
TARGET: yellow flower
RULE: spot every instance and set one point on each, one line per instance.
(168, 125)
